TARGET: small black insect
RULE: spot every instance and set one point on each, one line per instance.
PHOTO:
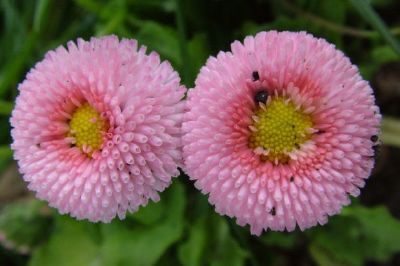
(374, 138)
(273, 211)
(261, 96)
(291, 178)
(320, 131)
(255, 75)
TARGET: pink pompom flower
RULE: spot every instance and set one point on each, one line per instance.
(97, 127)
(279, 131)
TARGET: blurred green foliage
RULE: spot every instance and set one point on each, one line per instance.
(182, 229)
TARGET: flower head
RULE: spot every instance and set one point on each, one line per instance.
(279, 131)
(96, 127)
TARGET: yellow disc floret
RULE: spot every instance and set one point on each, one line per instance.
(278, 129)
(86, 127)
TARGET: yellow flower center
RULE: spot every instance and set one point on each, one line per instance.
(86, 126)
(278, 129)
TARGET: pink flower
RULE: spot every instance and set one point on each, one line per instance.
(279, 131)
(96, 127)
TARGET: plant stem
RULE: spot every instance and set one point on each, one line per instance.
(5, 152)
(5, 107)
(180, 22)
(369, 14)
(390, 134)
(242, 241)
(333, 26)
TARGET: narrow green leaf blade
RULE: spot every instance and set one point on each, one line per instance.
(369, 14)
(5, 107)
(40, 14)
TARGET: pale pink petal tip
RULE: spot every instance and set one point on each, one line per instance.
(321, 173)
(137, 95)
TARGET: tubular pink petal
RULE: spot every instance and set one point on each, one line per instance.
(278, 131)
(77, 127)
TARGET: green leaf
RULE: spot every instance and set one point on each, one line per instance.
(322, 256)
(279, 239)
(69, 245)
(12, 69)
(224, 248)
(186, 71)
(5, 156)
(90, 5)
(22, 225)
(358, 235)
(40, 14)
(337, 243)
(380, 230)
(151, 214)
(191, 251)
(112, 25)
(210, 240)
(333, 10)
(5, 152)
(118, 243)
(154, 6)
(379, 55)
(369, 14)
(162, 39)
(251, 28)
(5, 107)
(198, 53)
(127, 244)
(382, 54)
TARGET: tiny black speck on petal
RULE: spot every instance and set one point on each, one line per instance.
(255, 75)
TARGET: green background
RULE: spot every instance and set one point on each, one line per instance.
(183, 229)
